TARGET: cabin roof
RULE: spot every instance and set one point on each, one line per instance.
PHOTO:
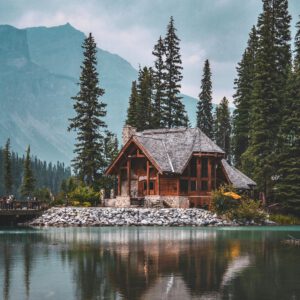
(173, 148)
(238, 179)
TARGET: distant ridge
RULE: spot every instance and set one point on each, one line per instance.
(40, 67)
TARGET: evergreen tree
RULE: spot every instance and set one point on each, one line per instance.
(243, 98)
(222, 124)
(204, 107)
(111, 147)
(269, 92)
(173, 111)
(132, 109)
(159, 85)
(288, 184)
(28, 182)
(144, 103)
(88, 121)
(7, 168)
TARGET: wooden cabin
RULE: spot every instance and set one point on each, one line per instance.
(171, 167)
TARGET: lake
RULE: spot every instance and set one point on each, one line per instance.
(149, 263)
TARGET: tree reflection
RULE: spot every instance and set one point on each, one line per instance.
(152, 264)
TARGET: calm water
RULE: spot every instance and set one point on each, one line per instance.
(149, 263)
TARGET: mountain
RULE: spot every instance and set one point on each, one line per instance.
(39, 69)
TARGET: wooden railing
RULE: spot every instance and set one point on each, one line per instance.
(22, 205)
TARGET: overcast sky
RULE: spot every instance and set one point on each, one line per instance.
(213, 29)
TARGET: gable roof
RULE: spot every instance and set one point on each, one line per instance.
(238, 179)
(172, 148)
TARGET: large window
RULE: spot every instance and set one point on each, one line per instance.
(204, 167)
(204, 185)
(194, 167)
(184, 186)
(193, 185)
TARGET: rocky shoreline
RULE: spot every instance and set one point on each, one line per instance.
(96, 216)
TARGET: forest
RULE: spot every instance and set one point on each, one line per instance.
(45, 176)
(261, 137)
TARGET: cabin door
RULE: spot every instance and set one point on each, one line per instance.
(142, 188)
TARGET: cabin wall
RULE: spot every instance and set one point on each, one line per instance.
(168, 186)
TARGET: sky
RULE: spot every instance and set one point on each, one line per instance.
(209, 29)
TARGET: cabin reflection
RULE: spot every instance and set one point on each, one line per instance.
(145, 263)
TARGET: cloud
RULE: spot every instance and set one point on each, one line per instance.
(213, 29)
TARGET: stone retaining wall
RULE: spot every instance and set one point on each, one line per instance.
(79, 216)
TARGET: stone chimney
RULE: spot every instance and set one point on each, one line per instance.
(128, 132)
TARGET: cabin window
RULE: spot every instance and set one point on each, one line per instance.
(204, 185)
(193, 167)
(151, 185)
(204, 167)
(145, 185)
(193, 185)
(184, 186)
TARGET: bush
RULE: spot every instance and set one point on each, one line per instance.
(284, 219)
(83, 194)
(222, 203)
(57, 202)
(247, 211)
(86, 204)
(75, 203)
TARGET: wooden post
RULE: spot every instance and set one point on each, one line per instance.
(119, 183)
(148, 178)
(189, 178)
(215, 173)
(157, 184)
(198, 174)
(178, 186)
(209, 174)
(128, 175)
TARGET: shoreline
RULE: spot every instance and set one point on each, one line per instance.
(104, 216)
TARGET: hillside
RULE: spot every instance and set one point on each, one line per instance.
(39, 68)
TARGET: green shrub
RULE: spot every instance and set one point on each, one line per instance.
(86, 204)
(75, 203)
(284, 219)
(84, 194)
(221, 203)
(57, 202)
(248, 210)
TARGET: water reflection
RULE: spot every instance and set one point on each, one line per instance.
(148, 263)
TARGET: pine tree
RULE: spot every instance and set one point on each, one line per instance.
(288, 184)
(243, 98)
(88, 121)
(111, 147)
(8, 182)
(28, 182)
(132, 109)
(173, 111)
(159, 85)
(204, 107)
(144, 103)
(269, 92)
(222, 124)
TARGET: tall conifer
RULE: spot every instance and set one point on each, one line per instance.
(222, 124)
(159, 84)
(287, 188)
(88, 121)
(8, 181)
(204, 107)
(28, 182)
(243, 98)
(269, 93)
(174, 113)
(132, 108)
(144, 103)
